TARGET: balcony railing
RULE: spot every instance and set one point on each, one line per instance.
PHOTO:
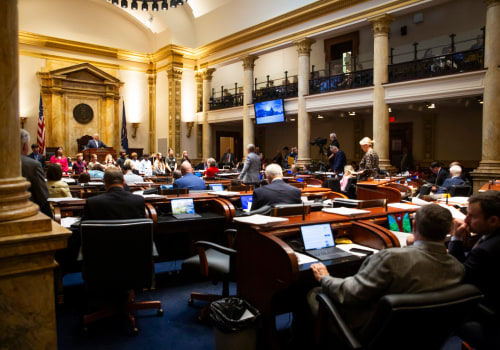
(227, 101)
(342, 81)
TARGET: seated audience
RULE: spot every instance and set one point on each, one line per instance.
(171, 161)
(482, 262)
(277, 192)
(348, 170)
(454, 180)
(129, 177)
(116, 203)
(93, 161)
(33, 172)
(185, 158)
(109, 161)
(146, 168)
(212, 168)
(121, 160)
(84, 178)
(188, 179)
(159, 165)
(61, 159)
(413, 269)
(57, 188)
(36, 155)
(135, 161)
(80, 166)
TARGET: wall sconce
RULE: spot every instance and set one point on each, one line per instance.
(23, 120)
(135, 126)
(190, 128)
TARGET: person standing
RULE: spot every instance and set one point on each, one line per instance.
(368, 167)
(228, 158)
(36, 155)
(96, 143)
(80, 166)
(337, 159)
(250, 175)
(61, 159)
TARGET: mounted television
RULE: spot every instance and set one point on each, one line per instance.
(269, 112)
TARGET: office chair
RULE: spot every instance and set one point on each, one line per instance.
(403, 321)
(117, 258)
(214, 261)
(460, 190)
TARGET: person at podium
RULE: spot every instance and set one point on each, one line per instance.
(96, 143)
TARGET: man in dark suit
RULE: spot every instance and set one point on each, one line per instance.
(440, 174)
(188, 179)
(36, 155)
(277, 192)
(454, 180)
(337, 160)
(96, 143)
(483, 261)
(228, 158)
(116, 203)
(33, 172)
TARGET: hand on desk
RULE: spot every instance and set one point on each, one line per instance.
(319, 271)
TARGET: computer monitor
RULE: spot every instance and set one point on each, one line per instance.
(246, 202)
(317, 236)
(182, 206)
(216, 187)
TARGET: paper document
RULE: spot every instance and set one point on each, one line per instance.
(419, 201)
(402, 205)
(345, 211)
(63, 199)
(462, 201)
(402, 236)
(348, 247)
(261, 220)
(226, 193)
(457, 214)
(304, 259)
(70, 220)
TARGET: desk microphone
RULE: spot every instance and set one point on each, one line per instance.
(303, 211)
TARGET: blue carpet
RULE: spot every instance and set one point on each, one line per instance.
(178, 328)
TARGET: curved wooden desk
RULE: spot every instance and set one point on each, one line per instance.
(381, 189)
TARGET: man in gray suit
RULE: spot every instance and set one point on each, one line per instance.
(32, 170)
(251, 170)
(411, 269)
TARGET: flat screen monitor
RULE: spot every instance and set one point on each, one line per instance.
(216, 187)
(182, 206)
(317, 236)
(246, 202)
(269, 112)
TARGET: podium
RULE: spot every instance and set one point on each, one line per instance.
(101, 153)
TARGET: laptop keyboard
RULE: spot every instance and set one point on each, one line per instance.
(329, 253)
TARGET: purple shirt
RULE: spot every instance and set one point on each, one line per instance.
(79, 168)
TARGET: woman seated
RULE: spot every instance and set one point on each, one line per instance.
(348, 170)
(57, 188)
(61, 159)
(93, 162)
(109, 161)
(159, 165)
(212, 168)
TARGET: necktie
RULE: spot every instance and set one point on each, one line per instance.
(96, 144)
(228, 158)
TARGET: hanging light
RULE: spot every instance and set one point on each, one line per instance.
(115, 2)
(134, 5)
(155, 6)
(144, 6)
(124, 4)
(164, 5)
(173, 4)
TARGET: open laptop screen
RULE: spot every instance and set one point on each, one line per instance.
(182, 206)
(399, 222)
(246, 202)
(216, 187)
(317, 236)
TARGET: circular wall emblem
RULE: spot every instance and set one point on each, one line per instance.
(83, 113)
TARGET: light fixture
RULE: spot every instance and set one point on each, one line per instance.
(173, 3)
(164, 5)
(480, 100)
(144, 6)
(155, 6)
(23, 120)
(320, 116)
(115, 2)
(134, 5)
(430, 105)
(124, 4)
(351, 113)
(190, 126)
(135, 126)
(292, 119)
(390, 110)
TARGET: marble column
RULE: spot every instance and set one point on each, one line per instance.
(489, 167)
(152, 114)
(28, 239)
(248, 126)
(381, 76)
(303, 118)
(174, 75)
(207, 128)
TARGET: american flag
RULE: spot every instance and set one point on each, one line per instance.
(41, 128)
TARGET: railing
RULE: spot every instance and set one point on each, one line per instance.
(270, 90)
(342, 81)
(227, 101)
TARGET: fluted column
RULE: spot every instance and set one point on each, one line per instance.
(207, 128)
(248, 127)
(489, 167)
(14, 199)
(152, 113)
(381, 76)
(174, 75)
(303, 118)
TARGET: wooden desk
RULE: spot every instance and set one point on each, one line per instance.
(101, 153)
(495, 186)
(381, 189)
(271, 276)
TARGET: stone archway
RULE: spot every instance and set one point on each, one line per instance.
(80, 100)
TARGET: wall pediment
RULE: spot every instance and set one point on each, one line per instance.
(83, 72)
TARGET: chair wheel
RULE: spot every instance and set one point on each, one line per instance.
(160, 312)
(190, 302)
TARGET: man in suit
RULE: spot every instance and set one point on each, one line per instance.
(482, 263)
(96, 143)
(277, 192)
(412, 269)
(251, 170)
(116, 203)
(337, 160)
(36, 155)
(188, 179)
(440, 174)
(228, 158)
(33, 172)
(454, 180)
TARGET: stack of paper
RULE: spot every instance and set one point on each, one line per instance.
(345, 211)
(260, 220)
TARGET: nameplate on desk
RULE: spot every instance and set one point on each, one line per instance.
(345, 211)
(260, 220)
(225, 193)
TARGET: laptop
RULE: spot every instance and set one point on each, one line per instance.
(399, 222)
(246, 202)
(319, 242)
(183, 208)
(216, 187)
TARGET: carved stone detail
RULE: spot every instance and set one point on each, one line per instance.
(249, 62)
(304, 46)
(207, 73)
(381, 23)
(174, 75)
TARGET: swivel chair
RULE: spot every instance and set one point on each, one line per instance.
(460, 190)
(432, 315)
(117, 258)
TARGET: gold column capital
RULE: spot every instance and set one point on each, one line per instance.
(249, 62)
(381, 23)
(174, 73)
(207, 73)
(304, 45)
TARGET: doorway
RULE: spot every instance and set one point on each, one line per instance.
(231, 140)
(342, 51)
(401, 139)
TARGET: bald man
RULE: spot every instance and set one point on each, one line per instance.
(96, 143)
(188, 179)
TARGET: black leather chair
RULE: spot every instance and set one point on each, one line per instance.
(117, 258)
(216, 262)
(460, 190)
(403, 321)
